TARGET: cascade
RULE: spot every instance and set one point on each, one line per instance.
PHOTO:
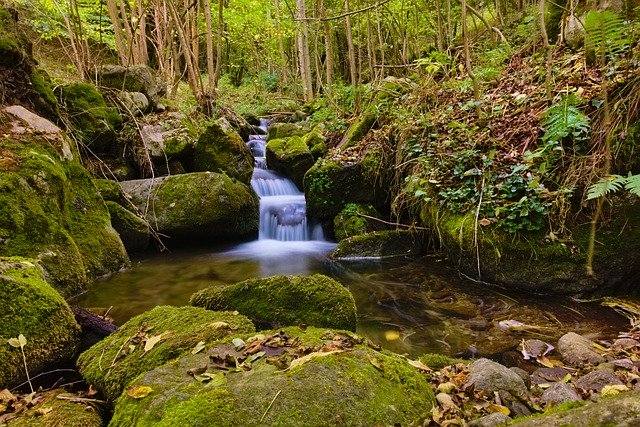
(283, 210)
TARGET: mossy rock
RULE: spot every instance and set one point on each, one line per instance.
(133, 230)
(358, 386)
(135, 78)
(532, 262)
(439, 361)
(360, 127)
(51, 411)
(51, 210)
(284, 130)
(381, 244)
(110, 190)
(112, 363)
(220, 149)
(316, 300)
(31, 307)
(290, 156)
(94, 121)
(316, 143)
(353, 220)
(199, 205)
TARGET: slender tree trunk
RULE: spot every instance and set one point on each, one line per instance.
(350, 47)
(219, 42)
(467, 59)
(380, 43)
(121, 44)
(211, 70)
(188, 55)
(328, 47)
(303, 52)
(283, 56)
(439, 27)
(549, 52)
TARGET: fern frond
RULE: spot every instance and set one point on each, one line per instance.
(632, 184)
(606, 30)
(564, 119)
(605, 185)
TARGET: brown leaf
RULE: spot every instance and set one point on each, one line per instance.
(151, 342)
(43, 411)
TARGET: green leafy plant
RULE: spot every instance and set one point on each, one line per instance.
(563, 120)
(605, 30)
(612, 184)
(20, 342)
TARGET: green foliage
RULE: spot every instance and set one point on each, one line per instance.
(565, 119)
(614, 183)
(606, 33)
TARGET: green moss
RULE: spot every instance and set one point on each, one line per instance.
(439, 361)
(112, 363)
(360, 127)
(109, 190)
(283, 130)
(133, 230)
(285, 300)
(381, 244)
(352, 220)
(30, 306)
(50, 411)
(316, 143)
(290, 156)
(359, 386)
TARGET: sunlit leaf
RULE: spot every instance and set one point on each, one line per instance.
(219, 325)
(13, 342)
(377, 363)
(613, 389)
(304, 359)
(151, 342)
(238, 343)
(212, 379)
(22, 340)
(391, 335)
(198, 348)
(43, 411)
(418, 364)
(499, 408)
(139, 391)
(255, 357)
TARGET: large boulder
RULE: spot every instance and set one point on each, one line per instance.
(31, 307)
(151, 339)
(133, 230)
(220, 149)
(285, 300)
(196, 205)
(356, 219)
(49, 207)
(290, 156)
(284, 130)
(381, 244)
(289, 377)
(135, 78)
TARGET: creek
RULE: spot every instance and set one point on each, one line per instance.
(410, 306)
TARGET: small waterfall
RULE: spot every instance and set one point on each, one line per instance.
(283, 210)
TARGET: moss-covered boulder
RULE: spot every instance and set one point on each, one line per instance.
(56, 408)
(196, 205)
(381, 244)
(110, 191)
(93, 120)
(358, 129)
(135, 78)
(112, 363)
(133, 230)
(316, 143)
(50, 209)
(284, 130)
(31, 307)
(290, 156)
(220, 149)
(355, 219)
(315, 300)
(312, 378)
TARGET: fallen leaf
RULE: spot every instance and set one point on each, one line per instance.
(499, 408)
(377, 363)
(43, 411)
(613, 389)
(198, 348)
(549, 363)
(255, 357)
(304, 359)
(238, 343)
(418, 364)
(139, 391)
(6, 396)
(216, 379)
(151, 342)
(484, 222)
(219, 325)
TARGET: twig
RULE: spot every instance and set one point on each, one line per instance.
(475, 228)
(270, 405)
(393, 223)
(80, 399)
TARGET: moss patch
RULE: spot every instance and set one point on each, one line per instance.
(290, 156)
(285, 300)
(284, 130)
(133, 230)
(381, 244)
(58, 412)
(30, 306)
(112, 363)
(352, 220)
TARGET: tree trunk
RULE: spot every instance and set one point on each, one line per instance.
(283, 55)
(211, 70)
(304, 59)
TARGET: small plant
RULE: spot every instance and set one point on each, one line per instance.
(614, 183)
(563, 120)
(20, 342)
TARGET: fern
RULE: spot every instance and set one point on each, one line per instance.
(633, 184)
(614, 183)
(564, 119)
(606, 31)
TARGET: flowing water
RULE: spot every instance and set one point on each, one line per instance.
(411, 306)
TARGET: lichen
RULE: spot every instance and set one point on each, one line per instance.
(285, 300)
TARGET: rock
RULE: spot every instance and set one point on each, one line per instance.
(252, 119)
(522, 374)
(354, 220)
(31, 307)
(34, 123)
(380, 244)
(574, 31)
(560, 392)
(549, 375)
(621, 411)
(290, 156)
(491, 420)
(201, 205)
(576, 350)
(133, 230)
(112, 363)
(220, 149)
(596, 380)
(135, 78)
(52, 411)
(283, 130)
(363, 124)
(625, 343)
(316, 143)
(162, 143)
(285, 300)
(488, 376)
(357, 386)
(110, 191)
(94, 121)
(133, 103)
(50, 210)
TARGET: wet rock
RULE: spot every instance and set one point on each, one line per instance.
(381, 244)
(196, 205)
(31, 307)
(135, 78)
(560, 393)
(549, 375)
(534, 348)
(284, 130)
(491, 420)
(112, 363)
(625, 343)
(576, 350)
(596, 380)
(356, 385)
(285, 300)
(289, 156)
(489, 376)
(133, 230)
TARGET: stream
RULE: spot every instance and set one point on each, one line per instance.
(410, 306)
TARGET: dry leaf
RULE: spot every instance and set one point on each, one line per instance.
(304, 359)
(418, 364)
(219, 325)
(499, 408)
(484, 222)
(151, 342)
(613, 389)
(198, 348)
(43, 411)
(139, 391)
(6, 396)
(377, 363)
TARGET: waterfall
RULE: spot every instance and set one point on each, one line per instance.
(283, 210)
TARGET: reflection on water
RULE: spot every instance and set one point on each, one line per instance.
(408, 306)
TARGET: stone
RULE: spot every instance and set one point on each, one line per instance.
(31, 307)
(289, 156)
(356, 219)
(560, 392)
(576, 350)
(488, 376)
(135, 78)
(356, 385)
(284, 130)
(112, 363)
(381, 244)
(491, 420)
(202, 205)
(133, 103)
(316, 300)
(133, 230)
(596, 380)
